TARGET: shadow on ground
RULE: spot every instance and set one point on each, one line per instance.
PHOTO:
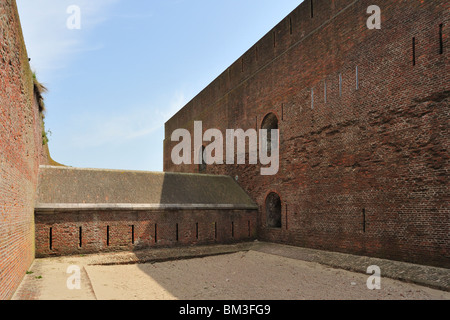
(246, 271)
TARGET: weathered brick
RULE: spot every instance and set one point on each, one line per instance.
(365, 170)
(21, 152)
(214, 227)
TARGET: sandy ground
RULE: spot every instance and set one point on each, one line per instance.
(248, 275)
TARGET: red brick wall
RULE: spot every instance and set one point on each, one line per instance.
(214, 226)
(379, 151)
(20, 153)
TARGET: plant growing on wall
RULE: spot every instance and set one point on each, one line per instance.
(45, 135)
(39, 89)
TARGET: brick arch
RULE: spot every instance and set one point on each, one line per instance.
(272, 112)
(272, 209)
(270, 121)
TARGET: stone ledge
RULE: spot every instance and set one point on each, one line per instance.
(429, 276)
(65, 207)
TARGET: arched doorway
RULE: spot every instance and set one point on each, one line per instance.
(270, 122)
(202, 166)
(273, 210)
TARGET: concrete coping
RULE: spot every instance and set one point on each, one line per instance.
(156, 173)
(75, 188)
(50, 208)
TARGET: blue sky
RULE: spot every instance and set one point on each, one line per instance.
(132, 65)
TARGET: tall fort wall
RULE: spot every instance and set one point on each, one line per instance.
(21, 152)
(363, 118)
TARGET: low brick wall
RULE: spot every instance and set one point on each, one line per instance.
(93, 231)
(364, 128)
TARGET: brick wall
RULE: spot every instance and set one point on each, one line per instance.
(21, 152)
(363, 167)
(58, 233)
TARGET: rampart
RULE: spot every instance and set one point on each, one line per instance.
(363, 119)
(21, 152)
(80, 211)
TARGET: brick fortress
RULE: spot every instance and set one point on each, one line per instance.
(363, 117)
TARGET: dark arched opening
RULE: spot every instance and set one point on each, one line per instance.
(202, 165)
(273, 210)
(269, 123)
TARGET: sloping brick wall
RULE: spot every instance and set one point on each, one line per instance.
(93, 210)
(21, 152)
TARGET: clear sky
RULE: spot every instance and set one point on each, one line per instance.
(132, 65)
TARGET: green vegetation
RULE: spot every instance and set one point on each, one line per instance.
(45, 135)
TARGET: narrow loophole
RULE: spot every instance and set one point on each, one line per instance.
(50, 239)
(364, 220)
(107, 236)
(290, 25)
(249, 229)
(414, 51)
(80, 234)
(156, 233)
(132, 234)
(196, 230)
(312, 9)
(176, 232)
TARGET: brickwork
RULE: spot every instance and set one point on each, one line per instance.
(363, 118)
(103, 231)
(21, 152)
